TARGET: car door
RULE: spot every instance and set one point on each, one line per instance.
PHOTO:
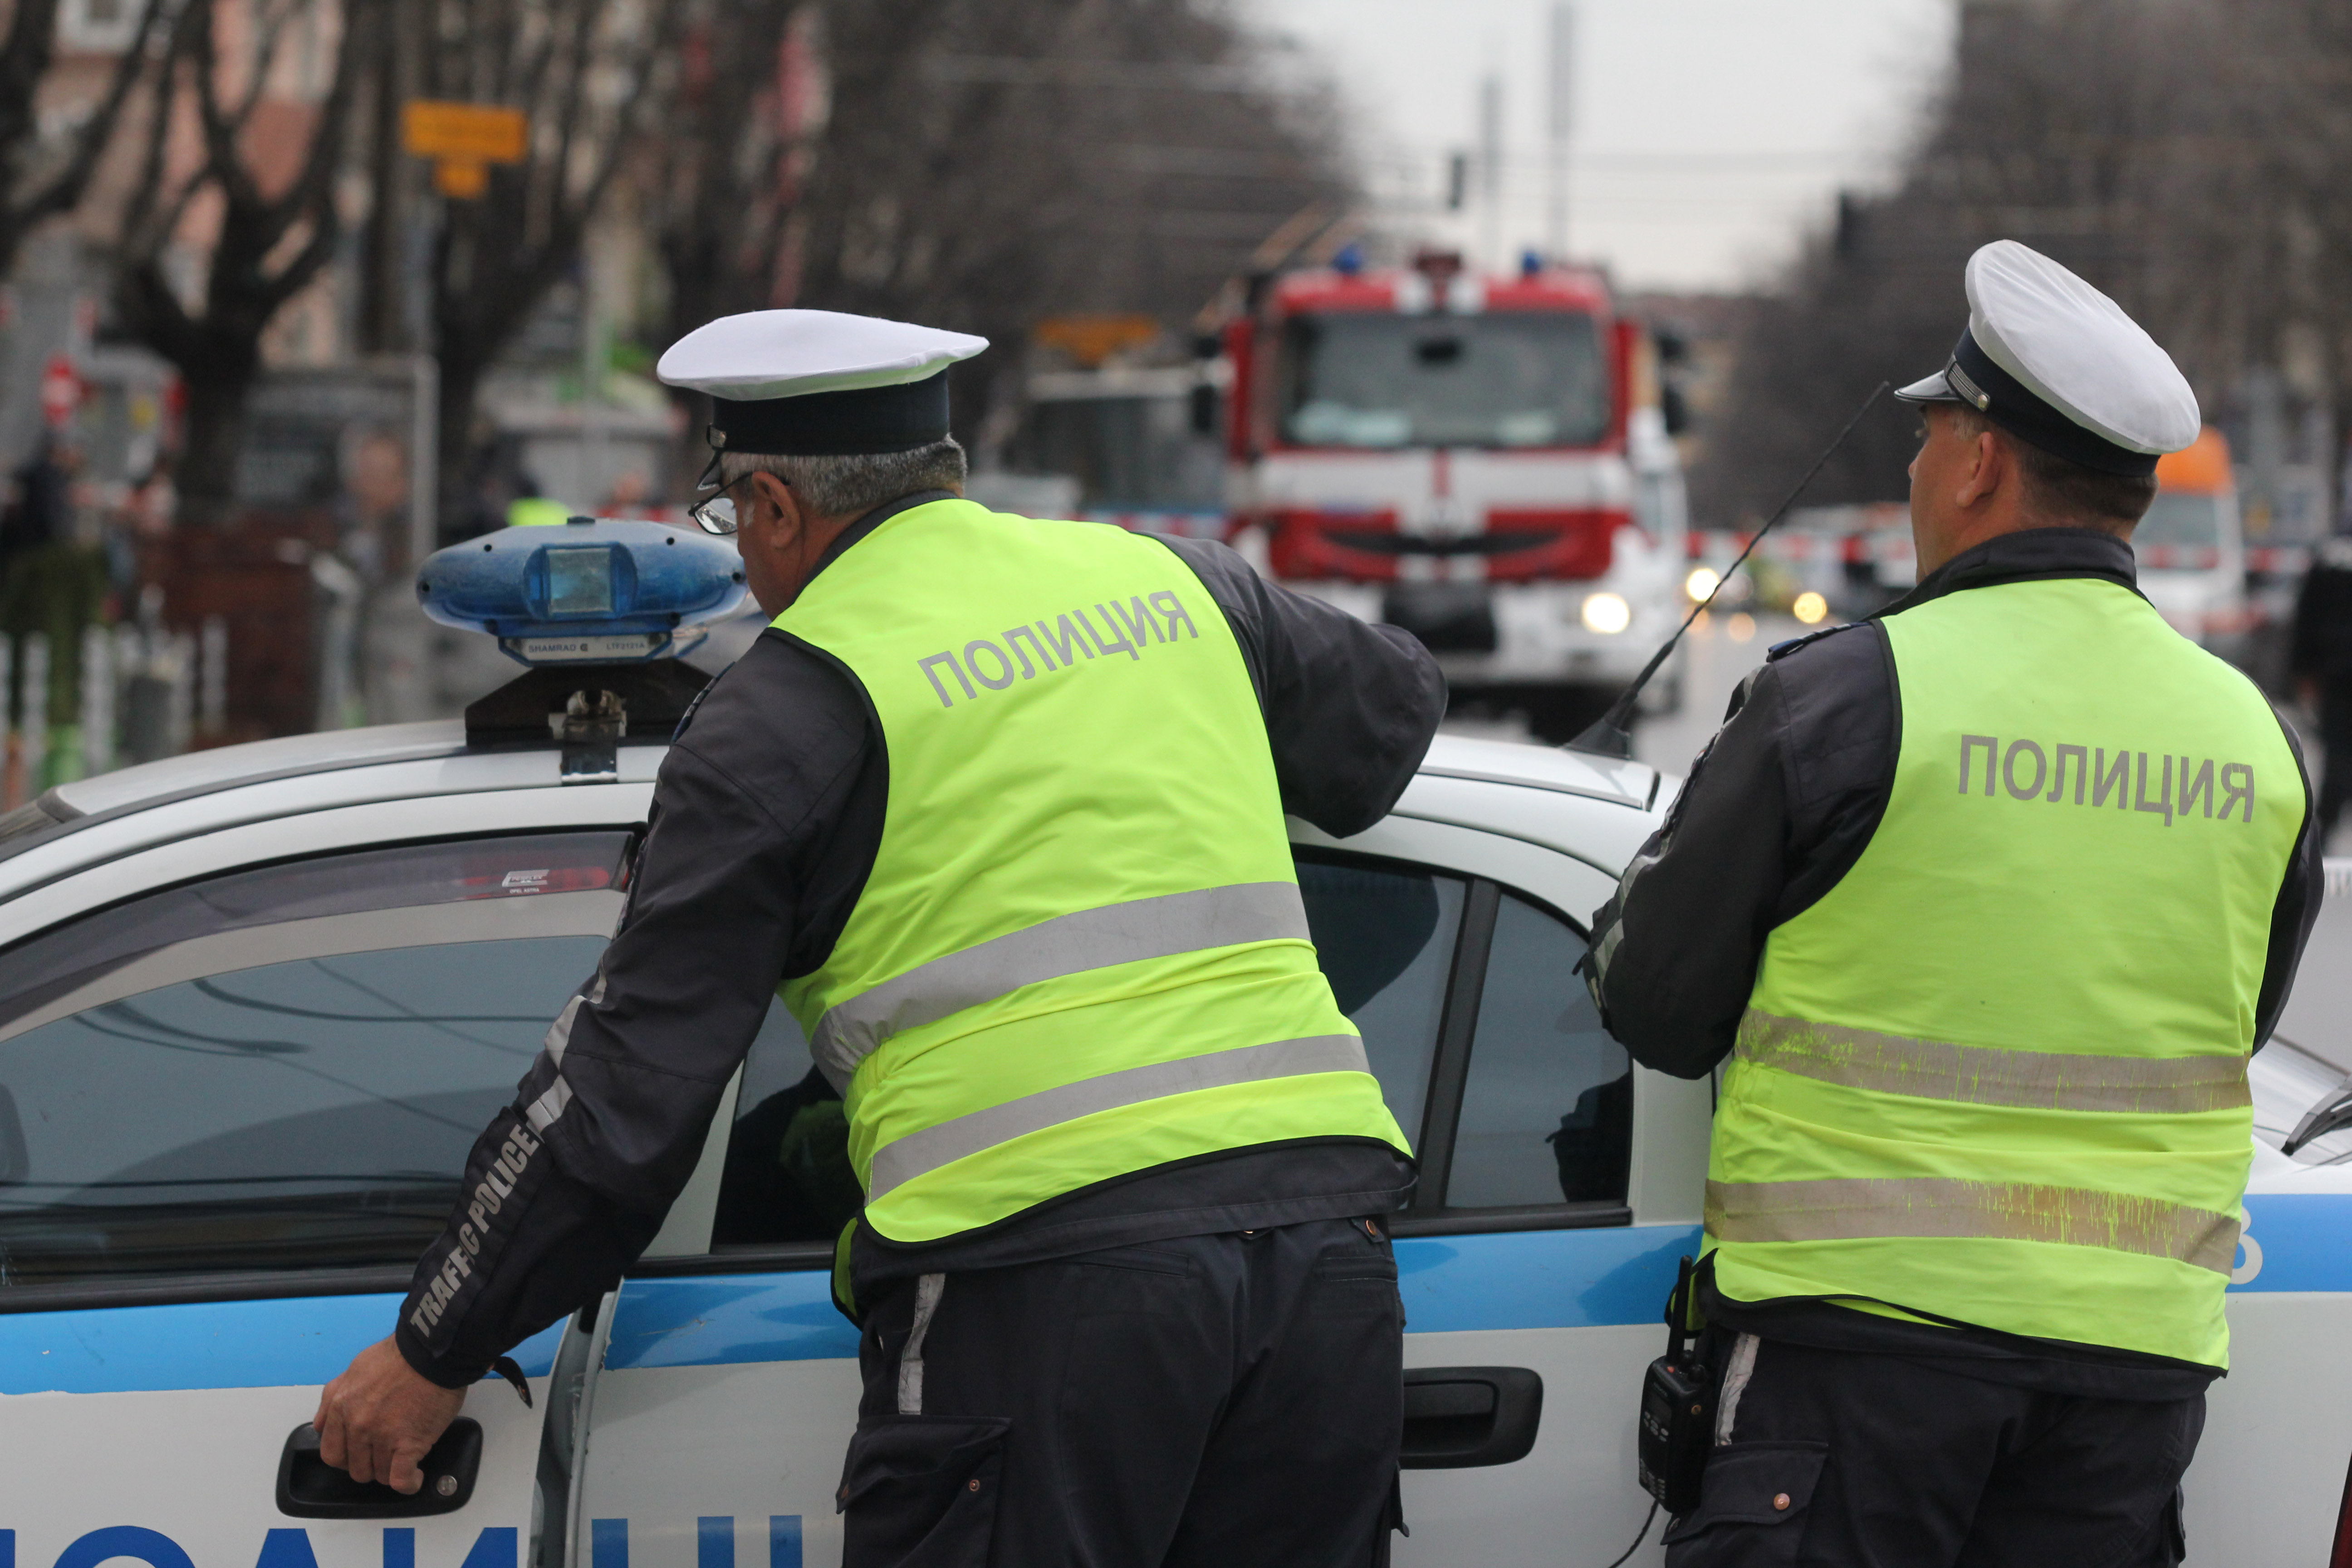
(233, 1112)
(718, 1392)
(725, 1387)
(1523, 1266)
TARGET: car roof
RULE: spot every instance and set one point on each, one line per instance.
(226, 767)
(201, 790)
(1619, 780)
(150, 785)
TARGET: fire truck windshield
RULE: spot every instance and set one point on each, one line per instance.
(1504, 379)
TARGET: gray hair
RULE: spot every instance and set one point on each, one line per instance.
(851, 486)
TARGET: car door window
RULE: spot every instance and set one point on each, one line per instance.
(284, 1067)
(788, 1176)
(1384, 935)
(1548, 1102)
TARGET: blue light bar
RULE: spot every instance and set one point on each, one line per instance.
(588, 592)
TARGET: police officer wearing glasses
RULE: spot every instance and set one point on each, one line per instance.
(1980, 906)
(996, 806)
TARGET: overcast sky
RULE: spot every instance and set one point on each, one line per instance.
(1708, 134)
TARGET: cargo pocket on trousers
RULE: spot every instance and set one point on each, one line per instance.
(1751, 1507)
(919, 1492)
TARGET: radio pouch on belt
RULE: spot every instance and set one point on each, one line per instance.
(1678, 1410)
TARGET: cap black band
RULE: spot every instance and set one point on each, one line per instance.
(2010, 404)
(836, 424)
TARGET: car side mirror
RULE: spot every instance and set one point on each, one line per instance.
(1203, 409)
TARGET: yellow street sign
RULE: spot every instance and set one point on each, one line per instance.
(462, 139)
(470, 132)
(1090, 340)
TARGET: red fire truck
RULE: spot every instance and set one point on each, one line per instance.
(1478, 459)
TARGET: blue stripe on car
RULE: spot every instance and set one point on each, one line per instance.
(1517, 1279)
(206, 1344)
(1521, 1280)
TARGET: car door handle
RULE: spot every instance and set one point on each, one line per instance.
(1457, 1416)
(310, 1488)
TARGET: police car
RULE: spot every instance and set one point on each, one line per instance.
(255, 1003)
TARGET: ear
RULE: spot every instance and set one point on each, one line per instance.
(1988, 467)
(770, 492)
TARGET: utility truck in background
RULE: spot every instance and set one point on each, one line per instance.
(2192, 551)
(1481, 460)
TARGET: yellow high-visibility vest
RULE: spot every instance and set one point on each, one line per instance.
(1997, 1075)
(1081, 952)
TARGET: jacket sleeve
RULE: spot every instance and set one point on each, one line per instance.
(1673, 953)
(1349, 707)
(572, 1180)
(1778, 807)
(2296, 909)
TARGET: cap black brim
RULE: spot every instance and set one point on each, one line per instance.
(1972, 377)
(868, 420)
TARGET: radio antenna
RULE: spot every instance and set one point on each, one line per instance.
(1607, 736)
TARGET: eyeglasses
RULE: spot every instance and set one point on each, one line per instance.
(715, 514)
(718, 513)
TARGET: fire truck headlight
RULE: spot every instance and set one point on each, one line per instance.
(1608, 613)
(1701, 583)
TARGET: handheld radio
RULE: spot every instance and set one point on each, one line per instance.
(1678, 1410)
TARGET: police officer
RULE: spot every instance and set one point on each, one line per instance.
(1000, 805)
(1987, 899)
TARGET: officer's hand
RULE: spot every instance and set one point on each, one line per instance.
(380, 1419)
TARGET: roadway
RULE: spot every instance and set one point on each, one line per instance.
(1715, 659)
(1718, 652)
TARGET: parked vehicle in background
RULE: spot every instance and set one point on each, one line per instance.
(2192, 552)
(1478, 459)
(1133, 445)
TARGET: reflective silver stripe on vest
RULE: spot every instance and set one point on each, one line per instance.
(1163, 927)
(920, 1153)
(1991, 1075)
(1867, 1207)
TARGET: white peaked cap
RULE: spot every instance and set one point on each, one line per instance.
(764, 354)
(2045, 350)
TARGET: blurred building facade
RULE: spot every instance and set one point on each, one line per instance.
(268, 356)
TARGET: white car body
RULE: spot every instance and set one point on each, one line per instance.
(701, 1421)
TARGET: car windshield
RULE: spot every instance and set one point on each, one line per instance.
(1504, 379)
(2180, 519)
(282, 1067)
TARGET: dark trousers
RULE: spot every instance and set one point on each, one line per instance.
(1840, 1459)
(1207, 1402)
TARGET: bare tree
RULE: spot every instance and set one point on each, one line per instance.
(40, 176)
(733, 158)
(274, 234)
(985, 164)
(591, 74)
(2128, 139)
(980, 166)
